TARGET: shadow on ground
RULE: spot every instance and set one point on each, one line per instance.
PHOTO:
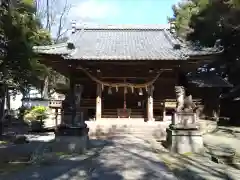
(195, 167)
(187, 166)
(76, 165)
(124, 154)
(191, 166)
(110, 156)
(68, 167)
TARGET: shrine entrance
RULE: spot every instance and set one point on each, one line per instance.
(123, 103)
(124, 71)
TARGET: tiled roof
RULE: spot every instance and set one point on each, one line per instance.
(123, 43)
(208, 80)
(60, 49)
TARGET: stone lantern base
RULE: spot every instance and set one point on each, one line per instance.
(71, 139)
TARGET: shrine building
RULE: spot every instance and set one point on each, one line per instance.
(123, 71)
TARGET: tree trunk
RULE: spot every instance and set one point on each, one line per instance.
(8, 99)
(45, 88)
(2, 103)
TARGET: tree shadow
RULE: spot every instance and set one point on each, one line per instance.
(223, 154)
(101, 132)
(137, 151)
(67, 167)
(197, 165)
(91, 167)
(199, 168)
(73, 166)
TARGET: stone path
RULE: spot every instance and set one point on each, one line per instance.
(132, 156)
(123, 157)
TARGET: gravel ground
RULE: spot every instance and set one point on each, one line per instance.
(122, 157)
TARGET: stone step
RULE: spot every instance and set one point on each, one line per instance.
(148, 130)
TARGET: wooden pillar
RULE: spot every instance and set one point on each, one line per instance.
(99, 102)
(150, 116)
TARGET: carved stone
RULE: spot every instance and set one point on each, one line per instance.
(71, 139)
(184, 141)
(184, 102)
(79, 114)
(180, 94)
(189, 105)
(183, 135)
(184, 120)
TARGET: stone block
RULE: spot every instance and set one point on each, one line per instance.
(184, 118)
(70, 144)
(66, 130)
(184, 141)
(71, 139)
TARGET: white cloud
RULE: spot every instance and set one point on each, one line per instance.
(93, 10)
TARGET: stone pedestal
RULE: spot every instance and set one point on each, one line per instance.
(183, 135)
(184, 140)
(184, 120)
(71, 139)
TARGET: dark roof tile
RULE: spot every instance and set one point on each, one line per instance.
(111, 43)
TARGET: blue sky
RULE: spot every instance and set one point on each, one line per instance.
(122, 11)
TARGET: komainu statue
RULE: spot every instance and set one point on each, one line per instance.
(184, 100)
(180, 94)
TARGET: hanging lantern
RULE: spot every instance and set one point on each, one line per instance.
(140, 92)
(132, 89)
(125, 90)
(116, 88)
(109, 90)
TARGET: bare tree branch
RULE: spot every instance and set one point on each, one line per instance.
(53, 14)
(64, 12)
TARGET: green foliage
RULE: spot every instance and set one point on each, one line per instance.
(182, 15)
(37, 113)
(204, 22)
(21, 31)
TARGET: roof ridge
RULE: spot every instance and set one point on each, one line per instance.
(122, 27)
(172, 40)
(176, 43)
(50, 46)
